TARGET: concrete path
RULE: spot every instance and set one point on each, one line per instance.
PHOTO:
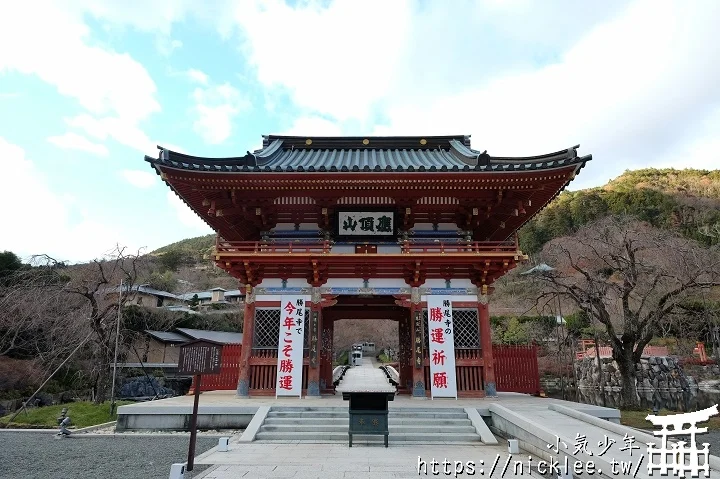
(330, 461)
(366, 378)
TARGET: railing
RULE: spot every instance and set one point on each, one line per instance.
(325, 247)
(227, 378)
(475, 247)
(606, 351)
(516, 369)
(263, 247)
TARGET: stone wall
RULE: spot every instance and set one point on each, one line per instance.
(654, 372)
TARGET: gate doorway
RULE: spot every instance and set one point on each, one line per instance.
(359, 313)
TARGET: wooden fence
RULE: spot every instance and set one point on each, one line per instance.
(227, 378)
(516, 369)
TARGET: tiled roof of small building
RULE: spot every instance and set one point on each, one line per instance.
(369, 154)
(224, 337)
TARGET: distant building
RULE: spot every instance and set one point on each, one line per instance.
(213, 296)
(144, 295)
(160, 349)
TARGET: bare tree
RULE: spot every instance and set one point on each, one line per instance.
(97, 285)
(37, 319)
(631, 278)
(48, 309)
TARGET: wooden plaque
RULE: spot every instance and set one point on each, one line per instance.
(200, 357)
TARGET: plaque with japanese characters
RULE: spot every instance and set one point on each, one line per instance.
(366, 224)
(418, 345)
(290, 346)
(441, 347)
(200, 357)
(313, 332)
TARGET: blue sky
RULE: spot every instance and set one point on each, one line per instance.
(90, 87)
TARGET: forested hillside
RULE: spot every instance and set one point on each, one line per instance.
(684, 200)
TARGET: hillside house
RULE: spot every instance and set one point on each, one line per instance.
(213, 296)
(161, 349)
(144, 295)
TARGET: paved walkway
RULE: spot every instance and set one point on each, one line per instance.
(365, 378)
(331, 461)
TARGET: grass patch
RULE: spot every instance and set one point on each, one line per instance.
(82, 414)
(383, 358)
(637, 419)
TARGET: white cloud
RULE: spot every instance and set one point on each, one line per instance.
(334, 60)
(139, 178)
(187, 216)
(216, 106)
(314, 126)
(113, 87)
(197, 76)
(73, 141)
(126, 133)
(166, 45)
(71, 240)
(630, 82)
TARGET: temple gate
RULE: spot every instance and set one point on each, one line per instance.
(367, 228)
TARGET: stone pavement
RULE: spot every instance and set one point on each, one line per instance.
(336, 461)
(365, 378)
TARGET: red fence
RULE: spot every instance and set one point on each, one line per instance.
(516, 369)
(227, 378)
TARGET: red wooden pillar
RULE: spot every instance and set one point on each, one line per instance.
(417, 333)
(486, 345)
(313, 383)
(243, 386)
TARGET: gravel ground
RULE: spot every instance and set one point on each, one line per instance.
(43, 455)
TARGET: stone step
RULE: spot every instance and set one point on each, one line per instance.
(309, 408)
(291, 429)
(345, 420)
(391, 414)
(308, 414)
(330, 437)
(366, 440)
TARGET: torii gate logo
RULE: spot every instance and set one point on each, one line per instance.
(682, 459)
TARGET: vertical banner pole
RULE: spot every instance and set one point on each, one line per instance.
(193, 424)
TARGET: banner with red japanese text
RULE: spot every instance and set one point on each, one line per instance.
(441, 347)
(290, 346)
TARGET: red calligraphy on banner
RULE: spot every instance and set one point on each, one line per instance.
(289, 322)
(289, 308)
(436, 314)
(286, 382)
(440, 380)
(286, 350)
(286, 365)
(436, 336)
(438, 357)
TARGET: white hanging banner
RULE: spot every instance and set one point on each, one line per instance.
(441, 347)
(290, 346)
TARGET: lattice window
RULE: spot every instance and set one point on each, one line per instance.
(267, 328)
(467, 334)
(466, 330)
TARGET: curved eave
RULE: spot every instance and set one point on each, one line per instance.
(185, 193)
(483, 163)
(579, 167)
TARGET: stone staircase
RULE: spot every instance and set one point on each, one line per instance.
(330, 425)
